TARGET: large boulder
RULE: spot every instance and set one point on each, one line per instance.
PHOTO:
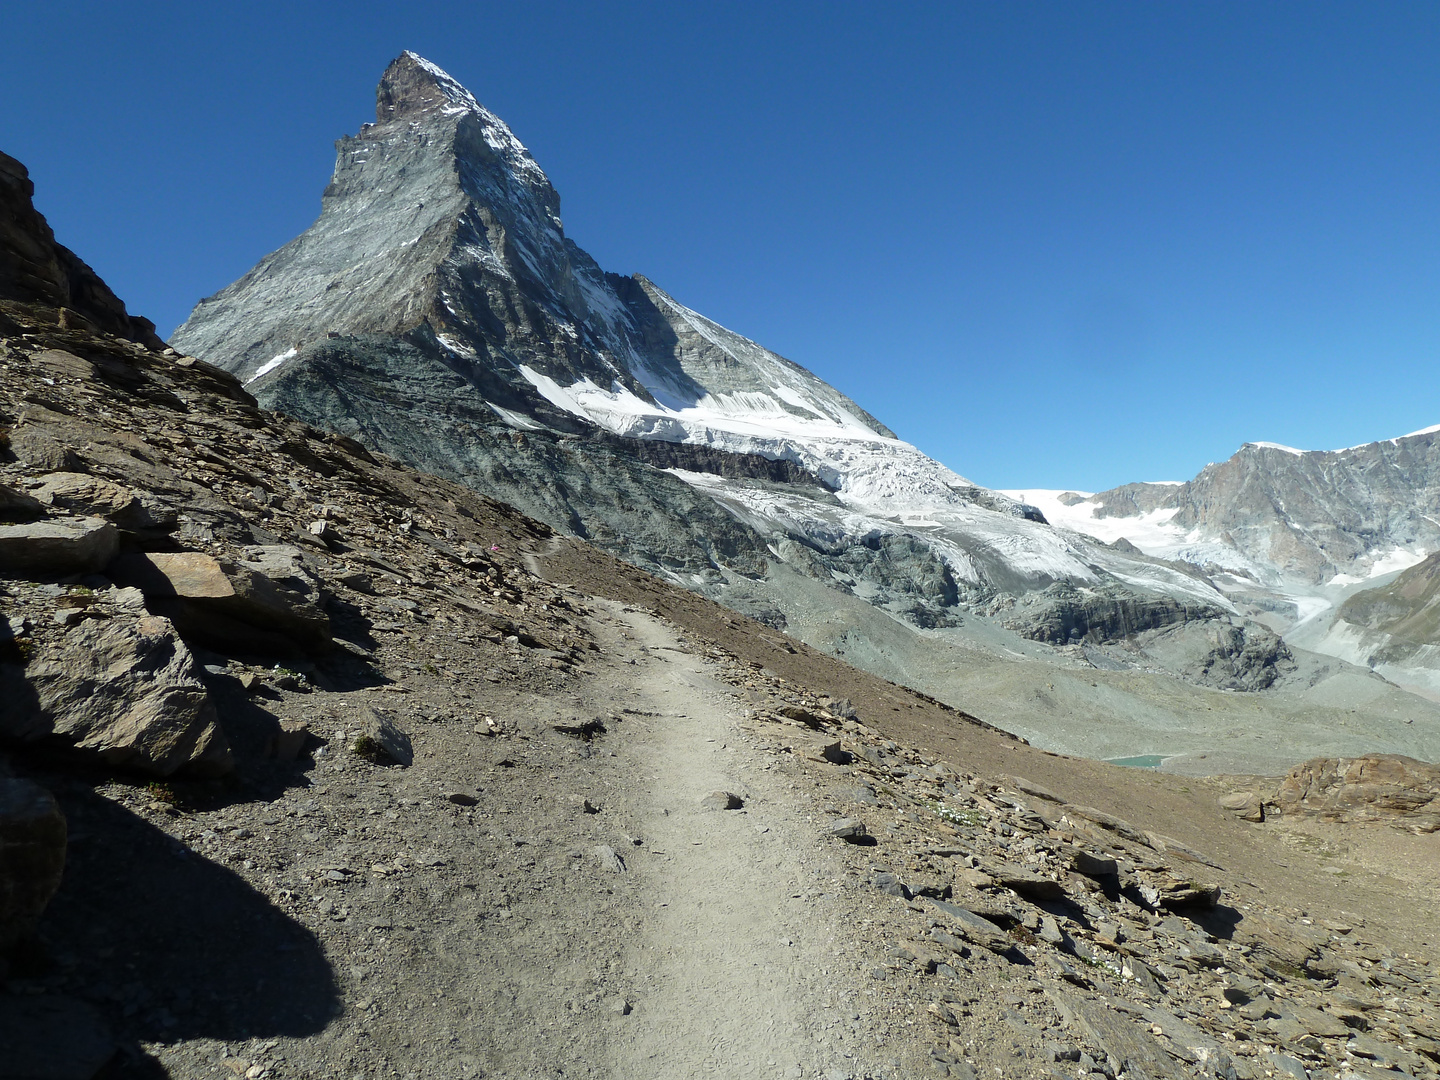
(128, 690)
(74, 546)
(1375, 787)
(32, 857)
(226, 604)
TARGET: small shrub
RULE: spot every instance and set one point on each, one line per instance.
(959, 815)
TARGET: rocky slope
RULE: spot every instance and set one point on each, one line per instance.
(437, 311)
(467, 831)
(392, 780)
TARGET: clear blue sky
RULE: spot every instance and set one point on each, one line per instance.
(1053, 244)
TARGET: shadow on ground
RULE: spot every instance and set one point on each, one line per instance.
(167, 944)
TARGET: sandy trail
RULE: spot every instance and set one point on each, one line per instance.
(730, 950)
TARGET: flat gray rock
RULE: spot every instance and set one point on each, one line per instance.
(71, 546)
(974, 928)
(609, 859)
(851, 830)
(722, 800)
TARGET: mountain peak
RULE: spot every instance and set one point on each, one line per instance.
(413, 86)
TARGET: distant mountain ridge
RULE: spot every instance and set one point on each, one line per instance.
(1282, 514)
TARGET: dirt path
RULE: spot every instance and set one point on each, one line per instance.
(731, 956)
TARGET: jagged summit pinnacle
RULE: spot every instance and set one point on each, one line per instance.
(412, 84)
(414, 89)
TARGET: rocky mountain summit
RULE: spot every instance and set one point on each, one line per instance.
(314, 765)
(437, 311)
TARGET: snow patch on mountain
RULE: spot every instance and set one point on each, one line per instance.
(1387, 562)
(273, 363)
(1276, 446)
(1152, 532)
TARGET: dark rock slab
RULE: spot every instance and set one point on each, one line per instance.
(1026, 882)
(974, 928)
(57, 547)
(1127, 1044)
(17, 506)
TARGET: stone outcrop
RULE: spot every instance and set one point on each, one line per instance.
(1247, 658)
(232, 604)
(1067, 614)
(1246, 805)
(1386, 788)
(126, 690)
(37, 270)
(93, 496)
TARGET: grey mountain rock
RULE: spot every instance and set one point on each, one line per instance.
(437, 311)
(128, 691)
(1311, 514)
(59, 547)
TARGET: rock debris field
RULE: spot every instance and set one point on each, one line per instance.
(320, 767)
